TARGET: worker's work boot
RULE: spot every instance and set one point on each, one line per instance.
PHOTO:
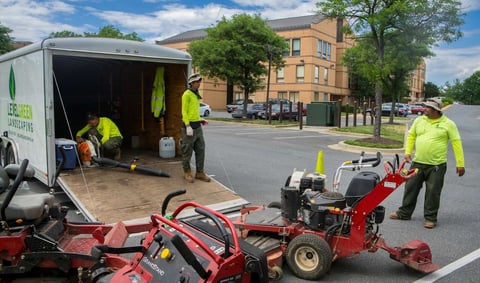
(187, 175)
(202, 176)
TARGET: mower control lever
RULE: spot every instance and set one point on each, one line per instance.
(220, 227)
(169, 197)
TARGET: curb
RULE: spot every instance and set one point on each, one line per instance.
(368, 150)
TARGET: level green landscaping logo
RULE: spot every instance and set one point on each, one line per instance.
(11, 83)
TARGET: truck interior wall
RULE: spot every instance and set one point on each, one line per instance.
(120, 90)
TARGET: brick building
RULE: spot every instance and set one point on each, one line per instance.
(312, 69)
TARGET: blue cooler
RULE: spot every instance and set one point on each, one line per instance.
(70, 148)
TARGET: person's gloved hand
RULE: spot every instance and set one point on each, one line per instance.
(189, 131)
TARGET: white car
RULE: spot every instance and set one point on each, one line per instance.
(205, 109)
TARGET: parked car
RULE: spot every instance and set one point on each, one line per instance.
(236, 104)
(387, 108)
(403, 109)
(286, 114)
(417, 108)
(205, 109)
(252, 111)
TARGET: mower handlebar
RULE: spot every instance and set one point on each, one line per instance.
(376, 160)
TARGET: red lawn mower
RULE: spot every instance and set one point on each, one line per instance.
(37, 241)
(312, 227)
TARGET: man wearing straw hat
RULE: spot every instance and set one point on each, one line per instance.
(429, 135)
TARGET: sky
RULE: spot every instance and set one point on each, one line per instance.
(159, 19)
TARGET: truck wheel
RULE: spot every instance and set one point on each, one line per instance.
(309, 256)
(10, 156)
(3, 155)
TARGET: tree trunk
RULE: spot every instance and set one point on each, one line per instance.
(378, 114)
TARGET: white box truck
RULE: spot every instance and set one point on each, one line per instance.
(47, 88)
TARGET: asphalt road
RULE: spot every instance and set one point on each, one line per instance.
(255, 161)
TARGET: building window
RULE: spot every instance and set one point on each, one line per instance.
(282, 95)
(316, 72)
(294, 96)
(324, 49)
(325, 75)
(296, 47)
(316, 96)
(300, 73)
(280, 75)
(325, 97)
(286, 52)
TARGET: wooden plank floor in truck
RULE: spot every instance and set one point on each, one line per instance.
(111, 194)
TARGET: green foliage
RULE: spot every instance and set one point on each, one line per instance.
(238, 51)
(5, 39)
(431, 90)
(386, 25)
(108, 31)
(64, 33)
(467, 92)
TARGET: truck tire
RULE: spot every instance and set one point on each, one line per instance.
(309, 256)
(10, 156)
(3, 155)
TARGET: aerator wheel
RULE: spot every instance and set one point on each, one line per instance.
(309, 256)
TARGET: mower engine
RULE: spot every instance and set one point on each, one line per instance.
(319, 209)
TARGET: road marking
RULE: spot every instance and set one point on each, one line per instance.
(444, 271)
(295, 137)
(257, 133)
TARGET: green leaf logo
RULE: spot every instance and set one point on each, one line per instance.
(11, 83)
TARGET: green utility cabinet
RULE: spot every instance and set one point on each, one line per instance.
(322, 114)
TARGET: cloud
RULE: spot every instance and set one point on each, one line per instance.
(33, 20)
(450, 64)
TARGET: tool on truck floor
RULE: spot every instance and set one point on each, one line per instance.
(132, 166)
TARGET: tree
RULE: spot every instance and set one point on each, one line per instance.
(5, 40)
(421, 21)
(431, 90)
(112, 32)
(106, 31)
(468, 91)
(236, 51)
(64, 33)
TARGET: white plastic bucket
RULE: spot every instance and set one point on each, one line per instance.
(167, 147)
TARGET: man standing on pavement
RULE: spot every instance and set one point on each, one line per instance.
(430, 135)
(192, 134)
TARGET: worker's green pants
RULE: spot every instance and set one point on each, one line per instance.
(190, 144)
(432, 176)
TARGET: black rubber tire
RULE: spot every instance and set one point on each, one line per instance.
(3, 155)
(10, 156)
(275, 204)
(275, 273)
(309, 256)
(206, 113)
